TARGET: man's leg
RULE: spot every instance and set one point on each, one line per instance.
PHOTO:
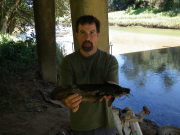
(98, 131)
(103, 131)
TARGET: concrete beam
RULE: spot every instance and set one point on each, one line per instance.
(44, 14)
(97, 8)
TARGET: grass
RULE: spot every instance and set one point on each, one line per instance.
(152, 18)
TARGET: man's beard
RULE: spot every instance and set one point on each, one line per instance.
(87, 48)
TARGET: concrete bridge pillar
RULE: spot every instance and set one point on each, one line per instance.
(97, 8)
(44, 14)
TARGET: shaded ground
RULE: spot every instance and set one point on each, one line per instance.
(32, 113)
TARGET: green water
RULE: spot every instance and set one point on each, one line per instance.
(153, 31)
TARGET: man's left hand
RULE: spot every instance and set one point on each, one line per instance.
(105, 97)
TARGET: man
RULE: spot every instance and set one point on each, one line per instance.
(84, 67)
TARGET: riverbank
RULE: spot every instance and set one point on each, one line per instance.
(150, 18)
(137, 39)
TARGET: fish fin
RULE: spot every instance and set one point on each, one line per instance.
(103, 79)
(96, 100)
(84, 102)
(110, 101)
(67, 86)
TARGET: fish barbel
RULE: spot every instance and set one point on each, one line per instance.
(90, 92)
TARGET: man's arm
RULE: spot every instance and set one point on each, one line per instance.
(74, 100)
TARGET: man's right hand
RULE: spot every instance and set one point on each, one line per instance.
(72, 101)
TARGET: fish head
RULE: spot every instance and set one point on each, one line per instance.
(117, 92)
(120, 91)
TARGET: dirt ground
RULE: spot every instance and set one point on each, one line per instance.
(37, 114)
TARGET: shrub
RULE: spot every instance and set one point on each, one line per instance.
(18, 56)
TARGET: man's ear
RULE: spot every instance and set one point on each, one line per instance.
(76, 34)
(98, 34)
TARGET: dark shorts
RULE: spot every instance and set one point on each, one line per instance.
(97, 131)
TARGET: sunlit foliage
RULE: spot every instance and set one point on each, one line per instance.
(16, 15)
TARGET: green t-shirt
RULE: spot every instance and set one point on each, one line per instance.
(77, 69)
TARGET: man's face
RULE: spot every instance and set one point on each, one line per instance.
(87, 36)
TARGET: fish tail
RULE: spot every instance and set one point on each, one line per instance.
(54, 93)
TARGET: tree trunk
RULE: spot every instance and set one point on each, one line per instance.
(1, 13)
(7, 17)
(12, 25)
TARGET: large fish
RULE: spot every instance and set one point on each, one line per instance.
(90, 92)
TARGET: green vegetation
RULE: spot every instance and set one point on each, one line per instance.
(62, 10)
(17, 56)
(163, 5)
(16, 15)
(146, 13)
(150, 17)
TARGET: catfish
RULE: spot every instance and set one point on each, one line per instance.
(90, 92)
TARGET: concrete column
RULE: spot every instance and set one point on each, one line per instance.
(44, 14)
(97, 8)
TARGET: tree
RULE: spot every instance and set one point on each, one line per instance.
(15, 13)
(62, 7)
(19, 14)
(167, 4)
(116, 5)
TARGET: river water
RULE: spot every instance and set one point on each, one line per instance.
(149, 64)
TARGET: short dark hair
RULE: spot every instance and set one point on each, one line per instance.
(88, 19)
